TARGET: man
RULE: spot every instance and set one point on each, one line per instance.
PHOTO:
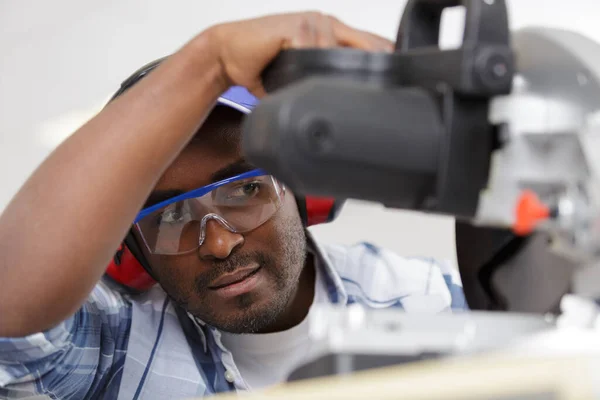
(238, 273)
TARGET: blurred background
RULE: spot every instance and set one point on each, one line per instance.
(62, 59)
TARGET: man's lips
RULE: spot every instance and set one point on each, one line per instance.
(234, 277)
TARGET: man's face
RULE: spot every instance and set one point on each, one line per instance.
(277, 248)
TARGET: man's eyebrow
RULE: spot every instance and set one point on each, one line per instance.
(159, 196)
(238, 167)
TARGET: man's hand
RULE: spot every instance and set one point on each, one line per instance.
(246, 47)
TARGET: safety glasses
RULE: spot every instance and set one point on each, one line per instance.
(240, 204)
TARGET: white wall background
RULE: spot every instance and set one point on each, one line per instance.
(62, 59)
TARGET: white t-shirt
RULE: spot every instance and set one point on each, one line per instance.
(269, 358)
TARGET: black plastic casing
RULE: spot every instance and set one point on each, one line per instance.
(408, 129)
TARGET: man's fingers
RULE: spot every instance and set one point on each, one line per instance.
(326, 34)
(315, 29)
(307, 32)
(259, 91)
(385, 44)
(347, 36)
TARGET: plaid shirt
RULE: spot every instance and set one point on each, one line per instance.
(140, 347)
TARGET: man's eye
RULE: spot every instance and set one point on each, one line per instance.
(172, 216)
(245, 191)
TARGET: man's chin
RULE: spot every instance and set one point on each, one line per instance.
(248, 317)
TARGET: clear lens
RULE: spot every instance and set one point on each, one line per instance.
(244, 205)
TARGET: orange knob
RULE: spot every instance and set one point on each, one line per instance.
(530, 211)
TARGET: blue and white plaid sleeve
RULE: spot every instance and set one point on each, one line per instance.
(83, 357)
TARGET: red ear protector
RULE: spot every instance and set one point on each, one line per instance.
(129, 268)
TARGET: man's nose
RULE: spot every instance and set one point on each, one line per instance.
(219, 241)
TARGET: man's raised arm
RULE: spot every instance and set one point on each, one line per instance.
(61, 229)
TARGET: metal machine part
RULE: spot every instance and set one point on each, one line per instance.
(548, 145)
(351, 339)
(549, 139)
(501, 271)
(354, 338)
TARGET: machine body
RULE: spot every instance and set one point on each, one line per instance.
(501, 134)
(409, 129)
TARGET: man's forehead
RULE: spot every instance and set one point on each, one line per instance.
(196, 167)
(213, 154)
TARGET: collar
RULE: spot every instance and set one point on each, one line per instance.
(335, 288)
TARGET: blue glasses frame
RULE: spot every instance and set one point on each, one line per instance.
(198, 192)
